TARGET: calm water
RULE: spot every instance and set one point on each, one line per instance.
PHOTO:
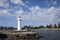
(49, 34)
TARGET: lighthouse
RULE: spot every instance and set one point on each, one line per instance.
(19, 19)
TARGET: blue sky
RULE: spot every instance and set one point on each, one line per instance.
(33, 12)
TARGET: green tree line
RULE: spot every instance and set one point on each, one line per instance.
(32, 27)
(42, 26)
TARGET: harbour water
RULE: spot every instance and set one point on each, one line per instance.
(49, 34)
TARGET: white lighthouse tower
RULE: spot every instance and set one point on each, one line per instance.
(19, 19)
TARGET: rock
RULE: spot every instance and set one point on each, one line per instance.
(19, 35)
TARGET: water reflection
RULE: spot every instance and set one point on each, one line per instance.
(49, 34)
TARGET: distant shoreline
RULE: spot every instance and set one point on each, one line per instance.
(48, 29)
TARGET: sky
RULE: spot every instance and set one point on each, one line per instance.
(33, 12)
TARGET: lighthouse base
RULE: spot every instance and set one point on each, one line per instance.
(21, 30)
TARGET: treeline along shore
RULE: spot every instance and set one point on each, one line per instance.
(40, 27)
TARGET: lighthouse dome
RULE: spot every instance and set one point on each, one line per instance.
(19, 16)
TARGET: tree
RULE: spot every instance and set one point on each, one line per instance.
(35, 27)
(49, 26)
(59, 24)
(41, 26)
(55, 26)
(25, 27)
(1, 27)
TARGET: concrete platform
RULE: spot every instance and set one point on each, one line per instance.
(24, 32)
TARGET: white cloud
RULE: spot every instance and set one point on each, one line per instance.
(4, 3)
(18, 2)
(54, 2)
(51, 2)
(54, 12)
(44, 13)
(4, 12)
(19, 12)
(35, 12)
